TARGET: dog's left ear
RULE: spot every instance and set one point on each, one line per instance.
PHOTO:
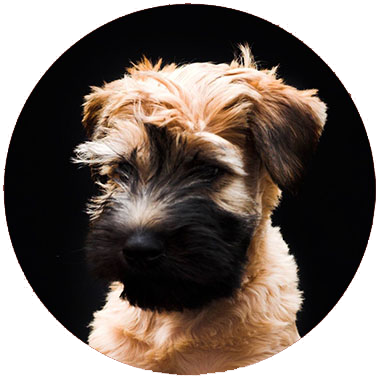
(286, 124)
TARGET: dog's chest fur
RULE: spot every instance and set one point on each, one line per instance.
(231, 333)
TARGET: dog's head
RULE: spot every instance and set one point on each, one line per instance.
(188, 160)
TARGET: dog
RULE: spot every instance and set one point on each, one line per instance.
(189, 161)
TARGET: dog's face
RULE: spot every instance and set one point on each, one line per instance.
(186, 159)
(167, 229)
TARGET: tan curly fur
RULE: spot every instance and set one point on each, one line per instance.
(265, 129)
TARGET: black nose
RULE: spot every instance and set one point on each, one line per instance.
(142, 247)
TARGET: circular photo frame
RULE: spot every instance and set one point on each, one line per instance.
(325, 220)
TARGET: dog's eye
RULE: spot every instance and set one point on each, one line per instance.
(124, 169)
(215, 171)
(211, 172)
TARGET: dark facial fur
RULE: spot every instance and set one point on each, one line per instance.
(195, 252)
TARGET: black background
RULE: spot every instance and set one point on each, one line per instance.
(326, 224)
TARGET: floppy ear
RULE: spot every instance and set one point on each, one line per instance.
(93, 109)
(286, 124)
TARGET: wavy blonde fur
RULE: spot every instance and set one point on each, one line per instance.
(232, 101)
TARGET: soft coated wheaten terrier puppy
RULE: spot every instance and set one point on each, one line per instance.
(189, 160)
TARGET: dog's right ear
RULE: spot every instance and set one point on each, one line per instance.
(93, 109)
